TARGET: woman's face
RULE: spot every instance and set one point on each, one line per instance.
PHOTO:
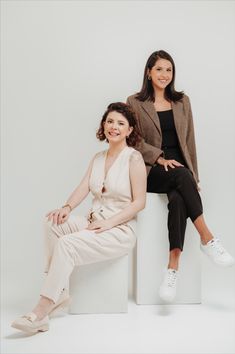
(161, 73)
(116, 127)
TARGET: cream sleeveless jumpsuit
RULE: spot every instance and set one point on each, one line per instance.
(71, 244)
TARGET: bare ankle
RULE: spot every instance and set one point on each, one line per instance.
(175, 267)
(43, 307)
(206, 239)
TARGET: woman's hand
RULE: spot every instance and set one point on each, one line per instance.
(59, 216)
(171, 163)
(100, 225)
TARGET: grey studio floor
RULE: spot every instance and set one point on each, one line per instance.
(199, 328)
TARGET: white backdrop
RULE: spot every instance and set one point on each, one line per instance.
(63, 62)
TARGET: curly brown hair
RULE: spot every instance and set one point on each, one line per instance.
(120, 107)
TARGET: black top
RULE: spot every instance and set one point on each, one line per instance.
(170, 141)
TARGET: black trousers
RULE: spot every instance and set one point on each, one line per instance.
(184, 199)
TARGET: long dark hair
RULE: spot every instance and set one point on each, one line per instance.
(147, 92)
(129, 114)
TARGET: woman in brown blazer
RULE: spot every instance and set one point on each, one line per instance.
(168, 148)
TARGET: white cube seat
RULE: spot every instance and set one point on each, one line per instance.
(152, 255)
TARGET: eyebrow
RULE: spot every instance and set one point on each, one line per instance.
(122, 121)
(160, 67)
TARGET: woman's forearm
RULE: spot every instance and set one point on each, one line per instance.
(78, 195)
(127, 213)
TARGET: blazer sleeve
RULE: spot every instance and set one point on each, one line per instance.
(149, 152)
(190, 139)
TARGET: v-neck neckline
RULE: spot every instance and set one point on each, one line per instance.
(105, 159)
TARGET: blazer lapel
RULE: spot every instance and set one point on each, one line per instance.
(150, 110)
(177, 113)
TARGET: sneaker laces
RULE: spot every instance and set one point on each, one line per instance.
(171, 278)
(216, 245)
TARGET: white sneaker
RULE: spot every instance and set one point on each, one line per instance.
(217, 253)
(167, 289)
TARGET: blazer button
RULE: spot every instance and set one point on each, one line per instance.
(101, 210)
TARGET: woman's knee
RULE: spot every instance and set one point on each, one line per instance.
(183, 172)
(184, 176)
(51, 228)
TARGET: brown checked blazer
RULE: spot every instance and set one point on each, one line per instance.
(149, 125)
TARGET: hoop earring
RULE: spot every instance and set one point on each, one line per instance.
(149, 78)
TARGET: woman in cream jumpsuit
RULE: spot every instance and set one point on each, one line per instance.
(117, 179)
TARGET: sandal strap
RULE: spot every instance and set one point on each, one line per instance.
(30, 316)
